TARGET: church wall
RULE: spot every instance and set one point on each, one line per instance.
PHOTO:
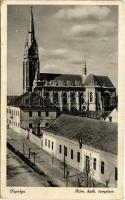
(91, 98)
(76, 103)
(64, 97)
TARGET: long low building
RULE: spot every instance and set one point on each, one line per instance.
(84, 142)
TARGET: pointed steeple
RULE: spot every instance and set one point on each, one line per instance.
(31, 31)
(84, 69)
(31, 58)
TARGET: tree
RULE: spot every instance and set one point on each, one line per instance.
(108, 180)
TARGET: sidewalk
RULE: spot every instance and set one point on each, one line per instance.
(43, 160)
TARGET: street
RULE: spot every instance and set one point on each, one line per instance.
(51, 167)
(19, 174)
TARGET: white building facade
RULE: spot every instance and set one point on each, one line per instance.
(28, 111)
(103, 165)
(13, 117)
(87, 143)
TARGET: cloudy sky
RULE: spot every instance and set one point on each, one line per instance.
(65, 34)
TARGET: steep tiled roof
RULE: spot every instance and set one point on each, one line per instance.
(31, 101)
(95, 133)
(91, 80)
(94, 80)
(56, 77)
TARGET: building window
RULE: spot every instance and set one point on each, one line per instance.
(87, 164)
(49, 143)
(71, 154)
(78, 156)
(65, 151)
(91, 97)
(94, 163)
(30, 113)
(45, 142)
(47, 113)
(46, 124)
(60, 149)
(116, 174)
(30, 125)
(52, 145)
(110, 119)
(39, 113)
(102, 167)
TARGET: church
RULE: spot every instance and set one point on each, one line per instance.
(67, 92)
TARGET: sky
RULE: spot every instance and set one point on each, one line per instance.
(65, 35)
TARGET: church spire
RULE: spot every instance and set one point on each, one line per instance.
(31, 58)
(84, 69)
(31, 31)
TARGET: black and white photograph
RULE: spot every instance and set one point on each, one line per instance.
(62, 96)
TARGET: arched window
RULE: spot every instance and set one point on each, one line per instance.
(64, 99)
(46, 95)
(91, 97)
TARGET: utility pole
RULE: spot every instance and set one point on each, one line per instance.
(90, 179)
(87, 179)
(28, 130)
(52, 158)
(67, 176)
(87, 171)
(34, 156)
(23, 149)
(64, 162)
(29, 152)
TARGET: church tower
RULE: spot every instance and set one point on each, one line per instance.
(31, 59)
